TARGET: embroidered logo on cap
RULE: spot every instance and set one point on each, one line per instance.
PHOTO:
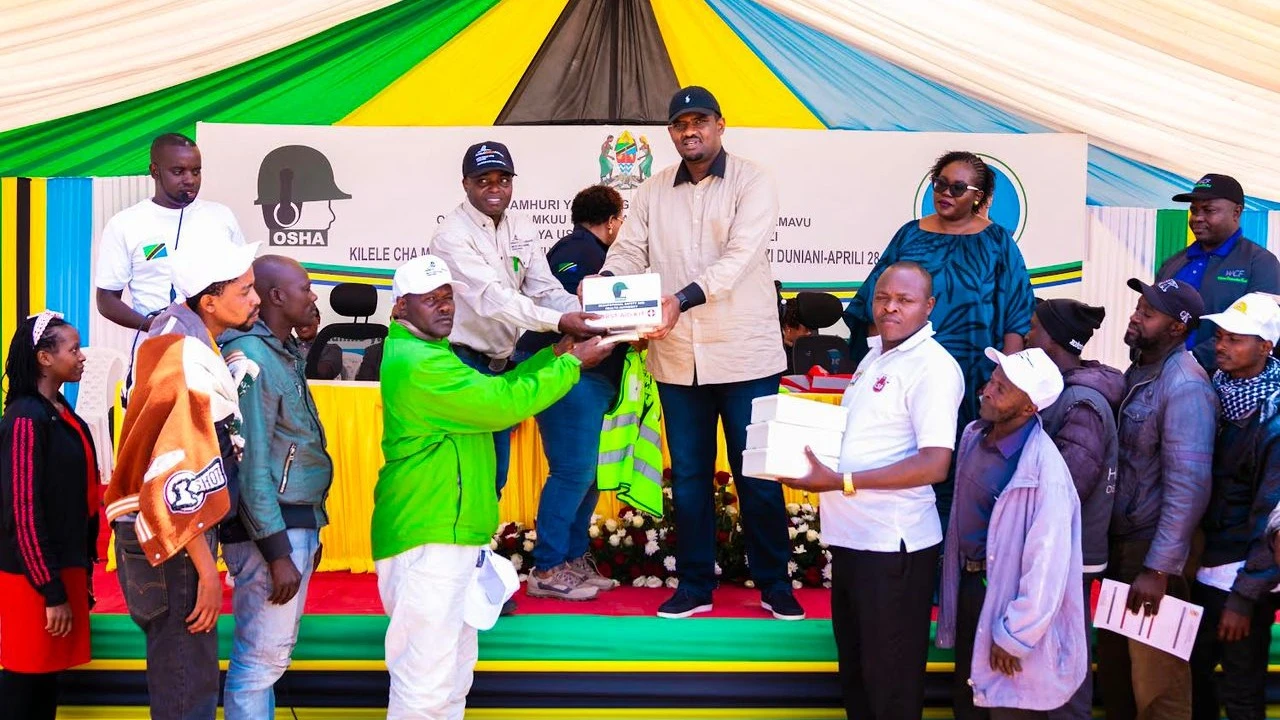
(1168, 285)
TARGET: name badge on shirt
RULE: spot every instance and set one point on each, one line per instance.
(520, 245)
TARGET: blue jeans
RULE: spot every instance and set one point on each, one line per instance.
(502, 438)
(265, 633)
(690, 413)
(571, 438)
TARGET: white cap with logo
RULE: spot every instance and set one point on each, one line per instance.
(493, 584)
(203, 259)
(421, 275)
(1032, 372)
(1253, 314)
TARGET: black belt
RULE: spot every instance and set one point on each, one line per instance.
(975, 566)
(494, 364)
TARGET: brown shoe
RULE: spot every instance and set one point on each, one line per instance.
(586, 568)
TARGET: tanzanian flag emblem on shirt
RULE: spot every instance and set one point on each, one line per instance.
(154, 252)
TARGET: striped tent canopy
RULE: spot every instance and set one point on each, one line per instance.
(92, 84)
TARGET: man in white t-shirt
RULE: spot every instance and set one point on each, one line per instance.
(138, 241)
(878, 513)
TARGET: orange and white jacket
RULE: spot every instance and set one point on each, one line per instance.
(170, 470)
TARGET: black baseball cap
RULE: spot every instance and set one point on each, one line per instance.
(1214, 186)
(692, 99)
(486, 156)
(1179, 300)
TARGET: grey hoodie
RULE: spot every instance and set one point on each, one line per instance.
(1082, 424)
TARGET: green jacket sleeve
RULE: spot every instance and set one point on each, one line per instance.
(464, 400)
(259, 503)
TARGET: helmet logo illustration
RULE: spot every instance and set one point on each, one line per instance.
(296, 190)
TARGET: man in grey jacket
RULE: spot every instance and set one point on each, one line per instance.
(1082, 424)
(1010, 594)
(1167, 425)
(284, 478)
(1222, 264)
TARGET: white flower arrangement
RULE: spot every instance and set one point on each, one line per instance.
(669, 562)
(811, 535)
(611, 525)
(653, 582)
(637, 521)
(615, 541)
(528, 545)
(592, 532)
(651, 548)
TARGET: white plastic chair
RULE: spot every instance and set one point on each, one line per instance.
(104, 369)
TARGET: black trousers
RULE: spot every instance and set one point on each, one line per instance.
(28, 696)
(973, 591)
(881, 605)
(1241, 689)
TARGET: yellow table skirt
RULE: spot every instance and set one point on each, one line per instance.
(351, 413)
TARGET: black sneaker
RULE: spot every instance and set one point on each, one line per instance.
(508, 608)
(782, 603)
(683, 604)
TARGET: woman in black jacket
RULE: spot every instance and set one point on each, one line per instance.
(48, 518)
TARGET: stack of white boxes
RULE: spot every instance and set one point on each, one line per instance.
(781, 426)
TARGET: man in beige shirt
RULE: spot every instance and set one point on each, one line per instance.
(703, 225)
(509, 287)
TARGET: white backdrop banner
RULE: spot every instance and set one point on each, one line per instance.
(352, 203)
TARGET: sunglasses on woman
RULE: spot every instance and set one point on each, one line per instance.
(955, 189)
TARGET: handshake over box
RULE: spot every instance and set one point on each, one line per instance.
(626, 304)
(781, 426)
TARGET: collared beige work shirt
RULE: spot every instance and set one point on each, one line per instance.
(510, 287)
(714, 233)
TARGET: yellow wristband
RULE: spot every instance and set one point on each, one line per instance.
(849, 489)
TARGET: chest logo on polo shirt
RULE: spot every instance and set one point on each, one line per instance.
(296, 190)
(880, 383)
(155, 252)
(185, 491)
(1236, 275)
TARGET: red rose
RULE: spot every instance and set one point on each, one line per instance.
(722, 536)
(509, 542)
(813, 576)
(634, 571)
(620, 559)
(652, 568)
(666, 473)
(598, 543)
(671, 538)
(605, 569)
(723, 478)
(638, 537)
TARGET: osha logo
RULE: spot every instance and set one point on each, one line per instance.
(1009, 199)
(296, 190)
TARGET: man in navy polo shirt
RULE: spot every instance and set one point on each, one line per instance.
(1222, 263)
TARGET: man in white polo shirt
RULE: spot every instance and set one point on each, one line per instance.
(138, 241)
(878, 513)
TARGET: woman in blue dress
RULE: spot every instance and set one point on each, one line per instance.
(980, 280)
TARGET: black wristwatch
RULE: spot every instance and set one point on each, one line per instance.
(683, 301)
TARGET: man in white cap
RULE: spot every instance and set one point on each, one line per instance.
(1237, 572)
(1010, 597)
(434, 506)
(177, 474)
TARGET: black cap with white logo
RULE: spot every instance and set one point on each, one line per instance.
(486, 156)
(693, 99)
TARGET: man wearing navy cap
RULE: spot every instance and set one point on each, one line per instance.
(509, 286)
(1221, 264)
(704, 226)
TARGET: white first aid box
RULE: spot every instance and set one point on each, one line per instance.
(774, 434)
(778, 462)
(798, 411)
(624, 302)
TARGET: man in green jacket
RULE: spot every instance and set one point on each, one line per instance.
(284, 477)
(434, 507)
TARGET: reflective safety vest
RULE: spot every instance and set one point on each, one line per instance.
(630, 460)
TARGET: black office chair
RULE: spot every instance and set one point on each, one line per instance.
(829, 352)
(351, 300)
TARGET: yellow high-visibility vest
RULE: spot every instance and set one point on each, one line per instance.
(630, 460)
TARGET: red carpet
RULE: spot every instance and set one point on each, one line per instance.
(340, 593)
